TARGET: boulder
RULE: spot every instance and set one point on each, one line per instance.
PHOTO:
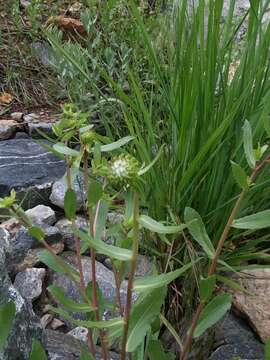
(254, 305)
(29, 283)
(234, 339)
(7, 128)
(28, 168)
(26, 325)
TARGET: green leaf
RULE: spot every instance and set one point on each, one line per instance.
(70, 204)
(105, 249)
(59, 294)
(85, 355)
(267, 349)
(256, 221)
(157, 281)
(154, 226)
(197, 229)
(7, 314)
(213, 312)
(63, 149)
(248, 144)
(37, 353)
(102, 218)
(87, 323)
(117, 144)
(37, 233)
(156, 351)
(233, 284)
(143, 313)
(207, 286)
(240, 176)
(152, 163)
(57, 264)
(95, 192)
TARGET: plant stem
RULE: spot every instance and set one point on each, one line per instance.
(214, 261)
(92, 227)
(135, 249)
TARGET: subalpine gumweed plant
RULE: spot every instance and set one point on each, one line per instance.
(110, 176)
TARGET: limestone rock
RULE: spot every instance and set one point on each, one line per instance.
(28, 168)
(42, 214)
(29, 283)
(256, 307)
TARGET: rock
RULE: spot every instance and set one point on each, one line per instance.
(22, 242)
(34, 128)
(42, 51)
(25, 327)
(64, 226)
(5, 240)
(256, 307)
(59, 189)
(29, 169)
(31, 258)
(79, 333)
(56, 323)
(144, 265)
(45, 320)
(18, 116)
(105, 278)
(41, 214)
(7, 129)
(233, 338)
(30, 117)
(65, 347)
(29, 283)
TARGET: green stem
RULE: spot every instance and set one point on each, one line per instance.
(135, 249)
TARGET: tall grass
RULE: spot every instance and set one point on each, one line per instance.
(192, 85)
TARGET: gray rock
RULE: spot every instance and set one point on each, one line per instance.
(42, 214)
(42, 50)
(233, 338)
(29, 283)
(22, 242)
(79, 333)
(144, 265)
(65, 347)
(104, 276)
(59, 189)
(7, 129)
(17, 116)
(65, 227)
(34, 128)
(26, 325)
(29, 169)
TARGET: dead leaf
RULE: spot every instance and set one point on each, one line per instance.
(67, 23)
(5, 98)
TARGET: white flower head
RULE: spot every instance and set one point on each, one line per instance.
(120, 168)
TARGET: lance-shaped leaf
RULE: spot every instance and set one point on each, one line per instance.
(156, 351)
(59, 294)
(87, 323)
(207, 287)
(256, 221)
(157, 227)
(105, 249)
(240, 176)
(197, 230)
(70, 204)
(37, 233)
(117, 144)
(248, 144)
(213, 312)
(57, 264)
(65, 150)
(143, 313)
(156, 281)
(85, 355)
(152, 163)
(95, 192)
(7, 314)
(37, 352)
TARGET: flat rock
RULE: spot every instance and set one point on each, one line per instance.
(59, 190)
(7, 129)
(29, 283)
(28, 168)
(256, 307)
(233, 338)
(65, 347)
(42, 214)
(26, 325)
